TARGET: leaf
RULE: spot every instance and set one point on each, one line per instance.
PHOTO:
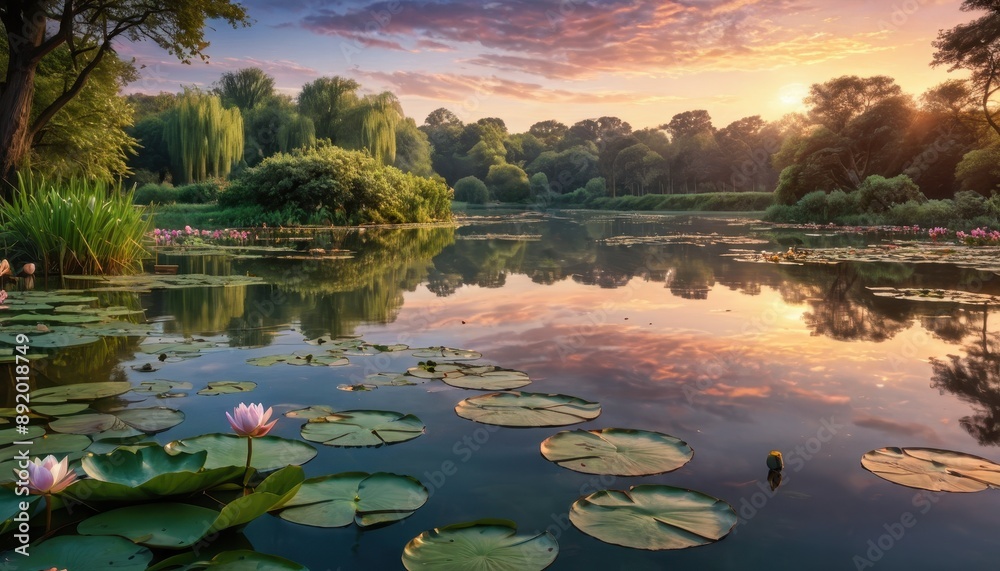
(487, 378)
(366, 499)
(653, 517)
(616, 451)
(53, 339)
(389, 380)
(305, 358)
(167, 525)
(236, 560)
(156, 472)
(161, 388)
(56, 444)
(10, 435)
(271, 494)
(362, 428)
(311, 412)
(227, 387)
(527, 409)
(80, 392)
(269, 452)
(447, 353)
(147, 420)
(933, 469)
(482, 545)
(99, 553)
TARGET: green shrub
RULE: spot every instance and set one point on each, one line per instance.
(539, 184)
(155, 194)
(351, 186)
(509, 183)
(472, 190)
(199, 192)
(878, 194)
(596, 186)
(813, 206)
(970, 204)
(74, 227)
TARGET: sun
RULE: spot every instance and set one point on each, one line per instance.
(793, 94)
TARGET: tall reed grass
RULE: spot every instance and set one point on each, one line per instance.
(74, 226)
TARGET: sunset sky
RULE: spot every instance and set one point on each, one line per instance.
(531, 60)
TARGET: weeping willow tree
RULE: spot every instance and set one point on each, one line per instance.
(371, 125)
(296, 132)
(203, 138)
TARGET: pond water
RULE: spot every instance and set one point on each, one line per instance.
(646, 314)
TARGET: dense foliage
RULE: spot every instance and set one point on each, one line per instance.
(342, 186)
(73, 226)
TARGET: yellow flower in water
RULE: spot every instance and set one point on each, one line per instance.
(775, 461)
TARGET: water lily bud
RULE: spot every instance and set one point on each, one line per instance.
(251, 420)
(775, 461)
(28, 269)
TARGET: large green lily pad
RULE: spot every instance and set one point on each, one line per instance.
(227, 387)
(74, 319)
(487, 378)
(235, 560)
(147, 282)
(55, 444)
(366, 499)
(181, 346)
(99, 553)
(162, 388)
(53, 339)
(178, 525)
(363, 428)
(653, 517)
(389, 380)
(616, 451)
(933, 469)
(146, 420)
(483, 545)
(269, 452)
(311, 412)
(80, 392)
(519, 409)
(302, 358)
(149, 472)
(10, 435)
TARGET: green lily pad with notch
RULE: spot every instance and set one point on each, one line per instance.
(487, 378)
(27, 306)
(64, 409)
(147, 420)
(50, 298)
(432, 370)
(10, 435)
(53, 339)
(235, 560)
(616, 451)
(162, 388)
(389, 380)
(178, 525)
(482, 545)
(933, 469)
(227, 387)
(653, 517)
(188, 346)
(517, 409)
(354, 428)
(67, 319)
(98, 553)
(8, 355)
(338, 500)
(147, 473)
(311, 412)
(80, 392)
(447, 353)
(109, 444)
(269, 452)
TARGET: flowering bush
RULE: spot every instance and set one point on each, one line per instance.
(937, 232)
(191, 236)
(979, 237)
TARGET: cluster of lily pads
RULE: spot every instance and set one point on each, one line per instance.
(133, 499)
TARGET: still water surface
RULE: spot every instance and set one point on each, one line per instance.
(671, 335)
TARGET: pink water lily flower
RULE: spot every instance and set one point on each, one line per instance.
(49, 476)
(251, 420)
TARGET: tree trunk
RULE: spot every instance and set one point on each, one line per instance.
(24, 37)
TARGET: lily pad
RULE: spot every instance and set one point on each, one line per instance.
(354, 428)
(7, 354)
(933, 469)
(53, 339)
(147, 420)
(11, 435)
(447, 353)
(653, 517)
(302, 358)
(227, 387)
(162, 388)
(483, 545)
(389, 380)
(432, 370)
(97, 553)
(617, 451)
(186, 346)
(359, 388)
(366, 499)
(80, 392)
(487, 378)
(269, 452)
(74, 319)
(56, 444)
(64, 409)
(519, 409)
(235, 560)
(149, 472)
(311, 412)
